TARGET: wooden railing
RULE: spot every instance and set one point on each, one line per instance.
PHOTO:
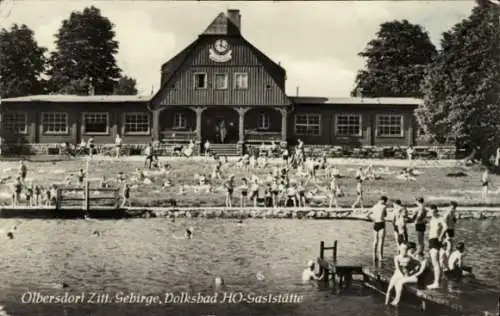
(174, 136)
(84, 197)
(258, 136)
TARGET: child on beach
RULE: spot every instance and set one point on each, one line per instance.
(216, 173)
(38, 195)
(244, 192)
(17, 188)
(229, 186)
(29, 195)
(485, 181)
(23, 171)
(254, 191)
(80, 177)
(333, 191)
(148, 152)
(125, 195)
(359, 194)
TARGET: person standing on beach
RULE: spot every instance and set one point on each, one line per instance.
(485, 182)
(359, 194)
(229, 185)
(409, 154)
(436, 233)
(149, 156)
(125, 195)
(118, 145)
(420, 220)
(23, 171)
(91, 145)
(378, 214)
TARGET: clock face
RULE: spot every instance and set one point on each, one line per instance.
(221, 46)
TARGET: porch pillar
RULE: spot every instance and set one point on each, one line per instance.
(156, 125)
(241, 124)
(199, 111)
(284, 122)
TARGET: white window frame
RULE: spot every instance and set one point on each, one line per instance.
(95, 133)
(195, 85)
(226, 81)
(136, 114)
(307, 115)
(235, 85)
(337, 125)
(264, 121)
(179, 117)
(377, 128)
(66, 118)
(19, 132)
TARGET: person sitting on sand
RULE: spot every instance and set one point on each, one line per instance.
(23, 171)
(125, 195)
(308, 274)
(229, 186)
(121, 177)
(17, 188)
(243, 192)
(216, 173)
(406, 270)
(406, 175)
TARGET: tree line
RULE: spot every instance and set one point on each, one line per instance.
(459, 82)
(83, 59)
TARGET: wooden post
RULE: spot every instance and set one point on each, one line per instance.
(199, 111)
(284, 121)
(86, 198)
(334, 272)
(58, 199)
(321, 249)
(335, 252)
(241, 124)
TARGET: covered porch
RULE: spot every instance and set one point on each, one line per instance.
(220, 125)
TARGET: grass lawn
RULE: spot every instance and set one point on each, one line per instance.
(433, 184)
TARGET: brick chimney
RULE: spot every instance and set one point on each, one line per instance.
(235, 17)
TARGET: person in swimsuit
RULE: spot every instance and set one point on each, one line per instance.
(91, 145)
(309, 274)
(118, 145)
(407, 270)
(332, 192)
(455, 263)
(125, 195)
(23, 171)
(450, 219)
(285, 154)
(301, 193)
(16, 191)
(436, 232)
(359, 194)
(378, 214)
(399, 223)
(485, 182)
(80, 177)
(216, 173)
(268, 196)
(148, 152)
(254, 191)
(229, 185)
(274, 193)
(420, 219)
(244, 192)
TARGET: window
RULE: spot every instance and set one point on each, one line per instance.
(55, 122)
(180, 121)
(200, 80)
(95, 123)
(389, 125)
(241, 80)
(136, 123)
(264, 121)
(16, 122)
(220, 81)
(348, 125)
(308, 124)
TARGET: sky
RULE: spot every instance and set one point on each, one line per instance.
(316, 42)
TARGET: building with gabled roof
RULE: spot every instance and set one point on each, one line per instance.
(219, 88)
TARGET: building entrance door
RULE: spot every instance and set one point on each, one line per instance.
(221, 128)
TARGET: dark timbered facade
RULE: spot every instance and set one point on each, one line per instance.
(219, 88)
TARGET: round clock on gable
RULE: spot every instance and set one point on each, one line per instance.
(221, 46)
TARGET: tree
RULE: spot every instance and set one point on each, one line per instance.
(461, 87)
(85, 48)
(22, 62)
(126, 86)
(395, 61)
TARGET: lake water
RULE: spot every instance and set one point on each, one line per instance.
(150, 257)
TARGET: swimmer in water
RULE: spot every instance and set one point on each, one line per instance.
(456, 262)
(407, 270)
(436, 233)
(308, 274)
(378, 214)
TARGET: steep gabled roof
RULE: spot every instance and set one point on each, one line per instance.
(173, 63)
(222, 25)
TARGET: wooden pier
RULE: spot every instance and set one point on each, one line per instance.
(467, 296)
